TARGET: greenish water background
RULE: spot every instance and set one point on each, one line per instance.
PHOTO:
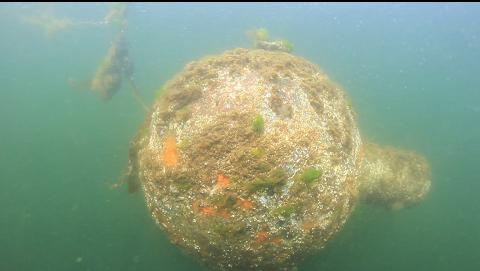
(411, 70)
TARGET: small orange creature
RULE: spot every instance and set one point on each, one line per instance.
(207, 211)
(245, 203)
(277, 241)
(170, 154)
(222, 181)
(261, 237)
(225, 214)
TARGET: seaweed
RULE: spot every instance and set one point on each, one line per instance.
(287, 45)
(271, 184)
(258, 152)
(258, 124)
(225, 201)
(182, 181)
(183, 114)
(310, 175)
(262, 34)
(288, 209)
(262, 166)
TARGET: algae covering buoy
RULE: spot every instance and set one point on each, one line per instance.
(252, 160)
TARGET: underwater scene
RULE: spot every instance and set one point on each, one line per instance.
(239, 136)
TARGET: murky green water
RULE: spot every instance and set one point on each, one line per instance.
(411, 70)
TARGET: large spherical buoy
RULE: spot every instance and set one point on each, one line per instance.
(251, 160)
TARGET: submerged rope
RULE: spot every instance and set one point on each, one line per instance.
(136, 94)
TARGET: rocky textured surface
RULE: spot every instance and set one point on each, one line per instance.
(249, 159)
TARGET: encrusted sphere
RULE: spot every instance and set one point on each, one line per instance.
(249, 159)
